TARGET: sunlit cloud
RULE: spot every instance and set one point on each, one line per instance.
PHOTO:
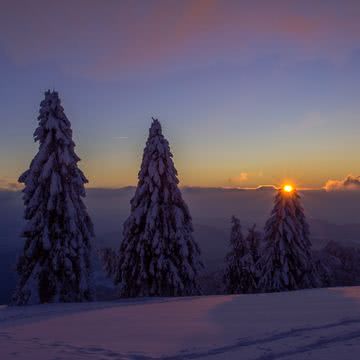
(349, 183)
(242, 177)
(9, 184)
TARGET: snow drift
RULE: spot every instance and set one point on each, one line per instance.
(312, 324)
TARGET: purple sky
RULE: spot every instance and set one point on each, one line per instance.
(248, 92)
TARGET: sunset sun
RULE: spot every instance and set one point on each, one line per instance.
(288, 188)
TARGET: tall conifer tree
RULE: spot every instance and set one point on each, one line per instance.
(158, 255)
(55, 264)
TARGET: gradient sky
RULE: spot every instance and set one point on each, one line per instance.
(248, 92)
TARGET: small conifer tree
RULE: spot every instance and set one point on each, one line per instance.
(239, 276)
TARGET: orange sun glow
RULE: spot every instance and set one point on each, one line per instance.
(288, 188)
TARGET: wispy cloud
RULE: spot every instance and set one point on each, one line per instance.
(312, 120)
(120, 36)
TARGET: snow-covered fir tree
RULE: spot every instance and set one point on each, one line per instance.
(286, 262)
(109, 260)
(240, 274)
(253, 240)
(158, 255)
(55, 264)
(337, 264)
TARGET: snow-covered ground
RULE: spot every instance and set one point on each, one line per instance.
(310, 324)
